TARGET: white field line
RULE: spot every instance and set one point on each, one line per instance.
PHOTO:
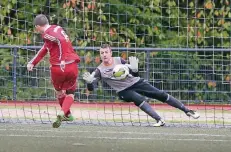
(114, 132)
(114, 138)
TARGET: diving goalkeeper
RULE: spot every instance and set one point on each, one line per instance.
(131, 88)
(63, 64)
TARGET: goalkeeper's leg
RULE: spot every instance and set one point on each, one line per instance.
(141, 102)
(150, 91)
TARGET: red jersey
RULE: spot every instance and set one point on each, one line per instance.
(57, 43)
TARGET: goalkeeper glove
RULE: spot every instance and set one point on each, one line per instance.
(89, 78)
(133, 63)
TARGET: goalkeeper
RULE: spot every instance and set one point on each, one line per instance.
(63, 61)
(131, 88)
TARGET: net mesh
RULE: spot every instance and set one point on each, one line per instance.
(182, 47)
(157, 23)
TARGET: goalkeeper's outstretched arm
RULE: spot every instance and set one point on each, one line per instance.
(92, 79)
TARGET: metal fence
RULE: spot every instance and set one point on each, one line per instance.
(191, 74)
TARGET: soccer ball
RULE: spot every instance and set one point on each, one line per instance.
(120, 71)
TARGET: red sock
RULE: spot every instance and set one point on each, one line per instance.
(61, 104)
(61, 101)
(68, 101)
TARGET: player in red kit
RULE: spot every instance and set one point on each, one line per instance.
(63, 61)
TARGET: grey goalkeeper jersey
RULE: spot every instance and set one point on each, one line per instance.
(105, 73)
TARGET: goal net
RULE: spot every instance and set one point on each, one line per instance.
(183, 48)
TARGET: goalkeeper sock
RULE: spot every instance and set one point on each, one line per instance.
(68, 101)
(61, 104)
(176, 103)
(144, 106)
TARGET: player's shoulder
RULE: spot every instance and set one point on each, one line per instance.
(53, 29)
(52, 32)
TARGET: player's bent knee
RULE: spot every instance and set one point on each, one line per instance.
(60, 93)
(71, 95)
(70, 92)
(139, 103)
(163, 96)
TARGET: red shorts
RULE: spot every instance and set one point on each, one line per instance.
(64, 80)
